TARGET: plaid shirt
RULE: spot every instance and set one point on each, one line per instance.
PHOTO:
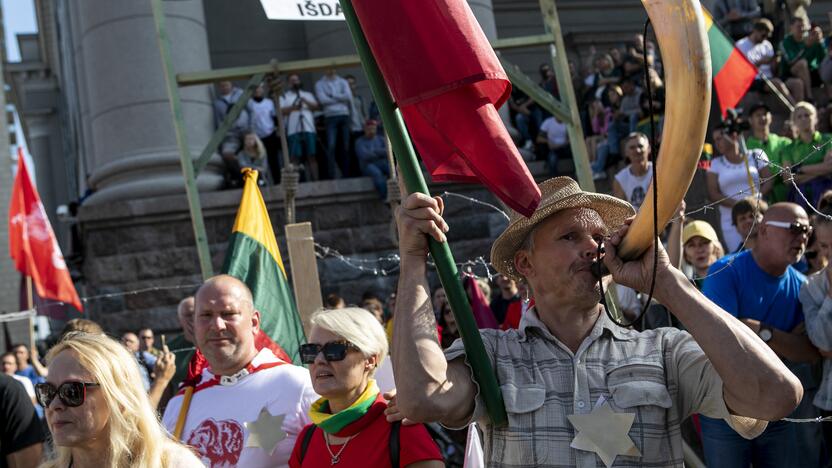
(661, 375)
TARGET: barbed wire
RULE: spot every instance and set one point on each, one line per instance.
(477, 202)
(84, 300)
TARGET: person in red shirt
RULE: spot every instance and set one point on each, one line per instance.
(344, 349)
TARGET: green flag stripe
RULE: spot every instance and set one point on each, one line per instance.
(250, 261)
(721, 48)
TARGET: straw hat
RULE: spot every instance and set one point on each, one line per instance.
(557, 194)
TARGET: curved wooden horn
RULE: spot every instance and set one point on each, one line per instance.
(680, 32)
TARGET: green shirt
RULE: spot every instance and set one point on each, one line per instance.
(774, 147)
(804, 153)
(792, 50)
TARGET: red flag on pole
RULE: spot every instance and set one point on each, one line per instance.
(448, 83)
(32, 242)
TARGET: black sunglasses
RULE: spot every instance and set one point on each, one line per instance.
(71, 394)
(333, 351)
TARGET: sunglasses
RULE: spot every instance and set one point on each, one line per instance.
(333, 351)
(71, 394)
(810, 255)
(795, 227)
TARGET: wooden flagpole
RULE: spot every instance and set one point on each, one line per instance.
(30, 304)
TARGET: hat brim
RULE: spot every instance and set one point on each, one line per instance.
(613, 211)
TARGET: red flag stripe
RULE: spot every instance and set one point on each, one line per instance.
(733, 80)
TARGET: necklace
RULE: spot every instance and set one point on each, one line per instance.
(335, 457)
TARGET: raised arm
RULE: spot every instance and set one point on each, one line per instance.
(429, 387)
(756, 383)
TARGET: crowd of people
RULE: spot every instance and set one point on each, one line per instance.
(330, 132)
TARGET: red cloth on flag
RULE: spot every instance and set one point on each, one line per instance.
(448, 83)
(32, 242)
(483, 314)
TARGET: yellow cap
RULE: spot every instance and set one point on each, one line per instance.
(701, 229)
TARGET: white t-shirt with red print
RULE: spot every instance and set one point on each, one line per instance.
(222, 412)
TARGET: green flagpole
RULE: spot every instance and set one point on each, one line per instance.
(445, 265)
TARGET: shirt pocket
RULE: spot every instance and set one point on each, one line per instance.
(640, 388)
(515, 442)
(523, 400)
(639, 384)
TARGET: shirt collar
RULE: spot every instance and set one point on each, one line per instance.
(530, 319)
(264, 356)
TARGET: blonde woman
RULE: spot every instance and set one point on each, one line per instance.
(98, 412)
(345, 348)
(253, 153)
(809, 156)
(693, 247)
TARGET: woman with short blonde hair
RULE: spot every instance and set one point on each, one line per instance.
(98, 412)
(344, 349)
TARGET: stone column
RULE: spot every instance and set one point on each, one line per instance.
(484, 12)
(130, 141)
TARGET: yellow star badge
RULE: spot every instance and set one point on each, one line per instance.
(604, 432)
(266, 431)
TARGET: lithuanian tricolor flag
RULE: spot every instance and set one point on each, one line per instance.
(733, 73)
(254, 258)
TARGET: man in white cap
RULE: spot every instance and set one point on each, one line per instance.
(579, 390)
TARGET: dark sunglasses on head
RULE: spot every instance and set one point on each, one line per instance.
(794, 227)
(333, 351)
(71, 394)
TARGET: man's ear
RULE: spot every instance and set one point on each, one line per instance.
(255, 320)
(372, 362)
(522, 263)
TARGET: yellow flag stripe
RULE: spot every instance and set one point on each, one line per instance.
(253, 217)
(709, 21)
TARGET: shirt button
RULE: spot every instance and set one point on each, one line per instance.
(581, 404)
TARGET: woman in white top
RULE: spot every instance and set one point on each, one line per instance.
(728, 180)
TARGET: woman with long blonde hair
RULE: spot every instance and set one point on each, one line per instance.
(98, 411)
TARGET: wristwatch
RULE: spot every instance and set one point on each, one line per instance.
(766, 333)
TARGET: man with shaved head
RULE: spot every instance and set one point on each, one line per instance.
(760, 287)
(249, 406)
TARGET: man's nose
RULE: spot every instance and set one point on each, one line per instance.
(217, 322)
(591, 248)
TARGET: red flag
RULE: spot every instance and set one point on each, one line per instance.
(733, 72)
(448, 83)
(479, 304)
(32, 243)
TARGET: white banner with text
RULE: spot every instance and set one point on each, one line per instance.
(309, 10)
